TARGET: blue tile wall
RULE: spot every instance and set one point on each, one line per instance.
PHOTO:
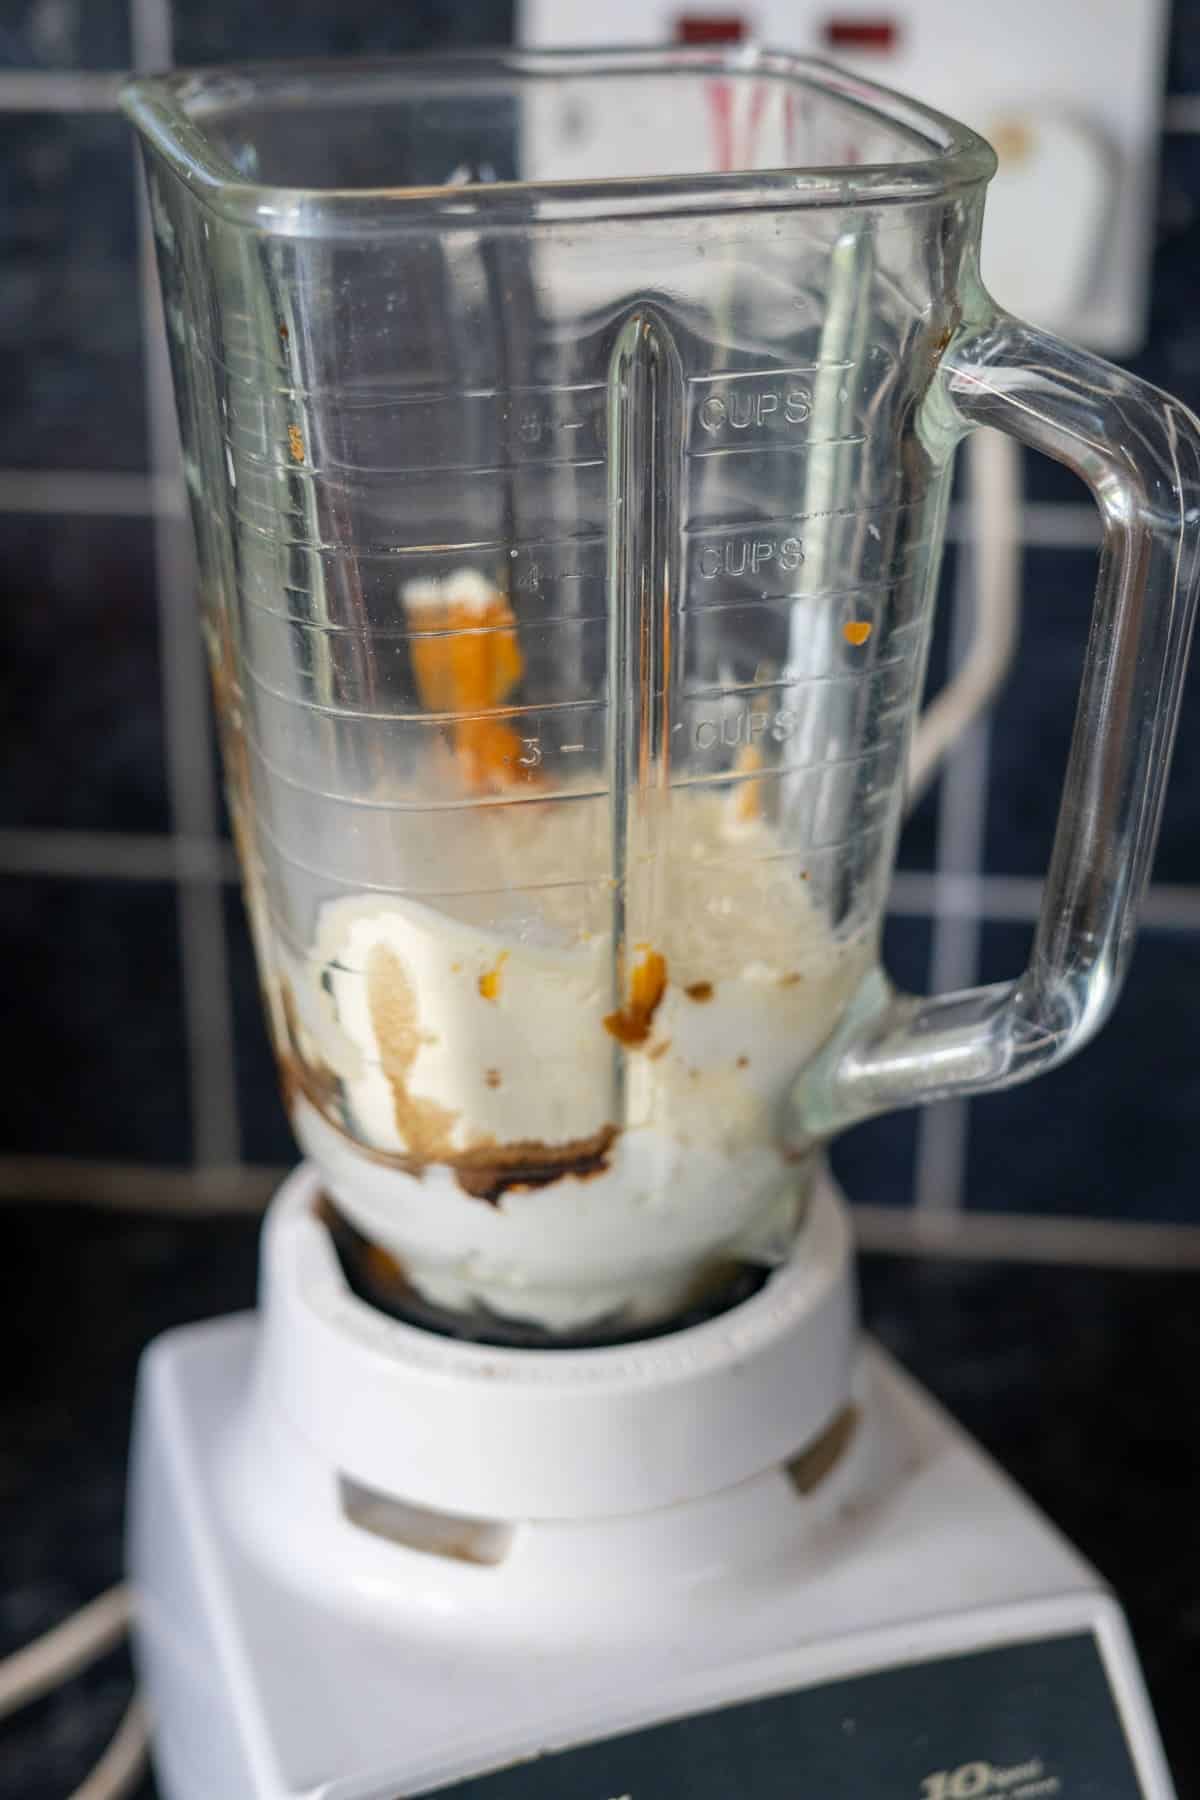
(918, 837)
(1178, 858)
(1171, 354)
(222, 33)
(95, 967)
(70, 328)
(1116, 1131)
(64, 34)
(97, 1065)
(1033, 718)
(1048, 481)
(79, 675)
(1183, 52)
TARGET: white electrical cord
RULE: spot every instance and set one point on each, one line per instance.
(120, 1768)
(60, 1654)
(994, 499)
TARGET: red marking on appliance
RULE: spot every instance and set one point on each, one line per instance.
(844, 33)
(710, 28)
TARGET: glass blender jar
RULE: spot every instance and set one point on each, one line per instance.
(568, 534)
(568, 538)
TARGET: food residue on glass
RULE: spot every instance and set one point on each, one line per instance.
(489, 981)
(647, 984)
(466, 661)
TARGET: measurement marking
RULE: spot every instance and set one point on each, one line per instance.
(379, 471)
(819, 765)
(532, 708)
(377, 633)
(358, 882)
(791, 595)
(775, 447)
(866, 514)
(801, 859)
(384, 552)
(570, 749)
(303, 948)
(408, 808)
(374, 551)
(824, 682)
(377, 399)
(305, 595)
(757, 374)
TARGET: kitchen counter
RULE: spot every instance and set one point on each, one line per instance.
(1080, 1382)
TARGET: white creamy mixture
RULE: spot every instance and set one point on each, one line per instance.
(472, 1051)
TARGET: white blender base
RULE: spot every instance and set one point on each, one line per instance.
(303, 1637)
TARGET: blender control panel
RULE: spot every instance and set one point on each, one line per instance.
(1024, 1721)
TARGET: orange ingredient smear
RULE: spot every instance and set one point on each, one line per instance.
(747, 796)
(489, 981)
(647, 984)
(467, 659)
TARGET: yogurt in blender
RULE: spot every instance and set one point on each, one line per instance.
(520, 1143)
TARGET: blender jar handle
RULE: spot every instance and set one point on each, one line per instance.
(1139, 452)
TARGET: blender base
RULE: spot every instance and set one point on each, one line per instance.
(301, 1633)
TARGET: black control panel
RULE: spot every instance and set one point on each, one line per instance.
(1032, 1721)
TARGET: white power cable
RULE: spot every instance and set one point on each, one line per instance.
(63, 1651)
(994, 500)
(121, 1766)
(60, 1654)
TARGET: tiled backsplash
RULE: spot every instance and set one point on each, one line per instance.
(65, 34)
(94, 989)
(70, 326)
(114, 927)
(1114, 1133)
(82, 733)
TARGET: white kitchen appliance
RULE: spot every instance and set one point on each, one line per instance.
(568, 540)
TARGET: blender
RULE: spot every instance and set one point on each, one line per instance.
(568, 540)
